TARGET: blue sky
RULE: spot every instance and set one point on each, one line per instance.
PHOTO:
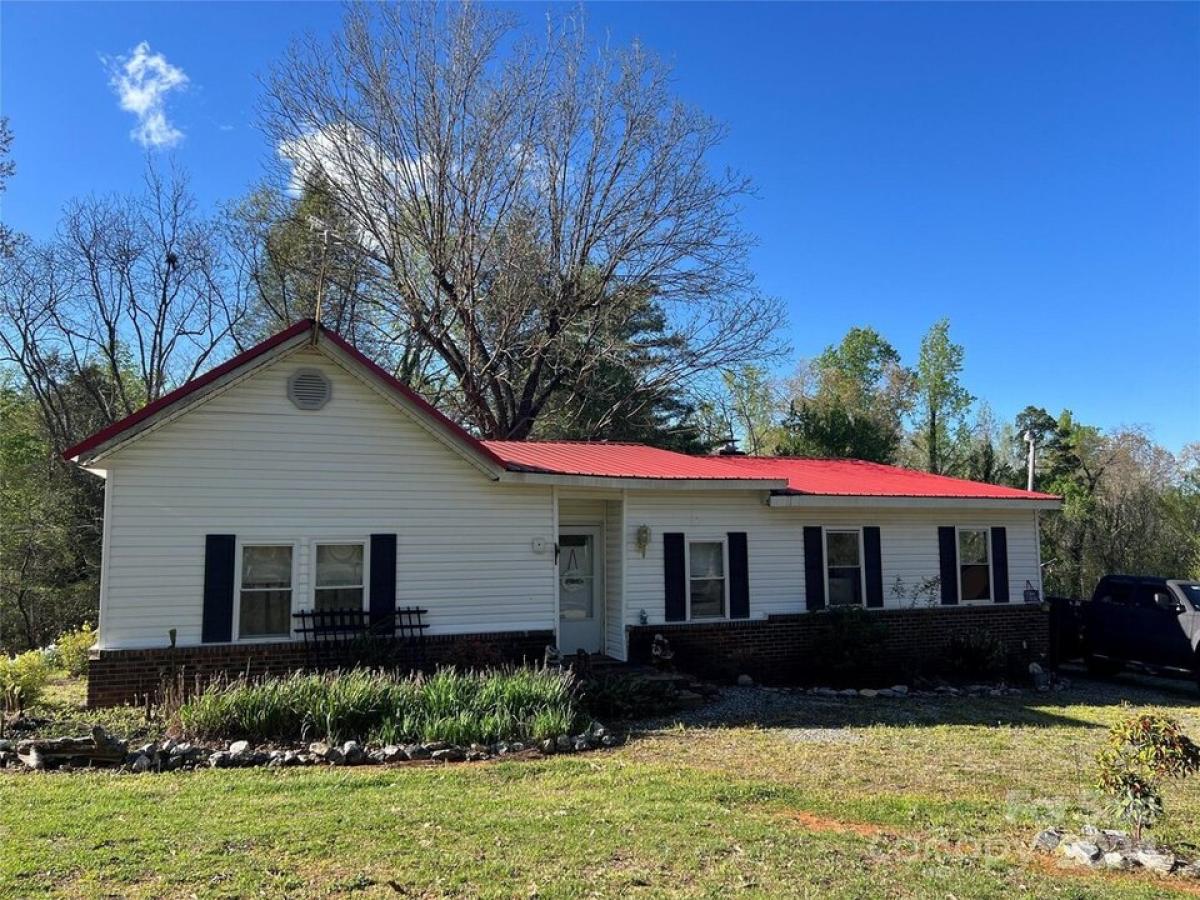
(1031, 171)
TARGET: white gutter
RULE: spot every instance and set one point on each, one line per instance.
(825, 501)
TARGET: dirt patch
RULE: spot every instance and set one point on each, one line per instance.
(813, 822)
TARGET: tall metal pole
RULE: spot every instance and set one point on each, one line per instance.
(1029, 439)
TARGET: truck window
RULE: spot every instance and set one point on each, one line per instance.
(1118, 593)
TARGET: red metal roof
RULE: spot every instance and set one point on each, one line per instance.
(822, 477)
(612, 460)
(856, 478)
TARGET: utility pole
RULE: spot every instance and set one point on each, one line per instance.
(1030, 462)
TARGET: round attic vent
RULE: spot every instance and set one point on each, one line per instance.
(309, 389)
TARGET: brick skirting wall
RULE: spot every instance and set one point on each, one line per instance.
(129, 676)
(815, 648)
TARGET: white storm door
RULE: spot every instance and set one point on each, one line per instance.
(580, 597)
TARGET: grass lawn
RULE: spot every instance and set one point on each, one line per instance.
(795, 797)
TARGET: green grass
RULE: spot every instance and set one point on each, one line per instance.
(819, 797)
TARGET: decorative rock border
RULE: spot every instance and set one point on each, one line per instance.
(1096, 848)
(73, 754)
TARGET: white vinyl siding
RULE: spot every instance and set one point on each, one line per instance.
(908, 538)
(248, 462)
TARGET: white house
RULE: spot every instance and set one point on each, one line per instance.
(301, 476)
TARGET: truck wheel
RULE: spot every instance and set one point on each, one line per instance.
(1099, 667)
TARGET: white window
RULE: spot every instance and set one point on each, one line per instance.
(339, 576)
(974, 565)
(706, 579)
(843, 567)
(265, 592)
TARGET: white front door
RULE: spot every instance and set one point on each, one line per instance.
(580, 593)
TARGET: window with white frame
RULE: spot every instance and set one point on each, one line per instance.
(843, 566)
(706, 579)
(974, 564)
(339, 578)
(265, 592)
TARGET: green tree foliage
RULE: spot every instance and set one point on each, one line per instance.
(49, 531)
(942, 403)
(745, 408)
(621, 400)
(849, 401)
(1142, 751)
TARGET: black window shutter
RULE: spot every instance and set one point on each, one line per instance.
(739, 576)
(383, 577)
(874, 566)
(674, 586)
(814, 567)
(1000, 565)
(948, 559)
(216, 623)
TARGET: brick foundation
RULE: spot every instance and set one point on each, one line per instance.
(817, 648)
(129, 676)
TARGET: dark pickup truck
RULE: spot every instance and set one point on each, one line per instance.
(1153, 622)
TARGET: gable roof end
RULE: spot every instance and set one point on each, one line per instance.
(93, 446)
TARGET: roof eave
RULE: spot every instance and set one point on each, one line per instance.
(794, 500)
(566, 479)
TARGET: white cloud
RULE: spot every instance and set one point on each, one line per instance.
(142, 82)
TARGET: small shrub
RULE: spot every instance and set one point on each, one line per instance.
(973, 655)
(460, 707)
(73, 648)
(850, 646)
(616, 697)
(22, 680)
(1141, 751)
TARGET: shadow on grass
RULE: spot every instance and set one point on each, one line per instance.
(1082, 705)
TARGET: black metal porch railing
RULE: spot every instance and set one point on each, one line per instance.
(348, 637)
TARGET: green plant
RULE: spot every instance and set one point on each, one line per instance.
(850, 644)
(973, 654)
(450, 705)
(1141, 751)
(22, 680)
(73, 649)
(615, 697)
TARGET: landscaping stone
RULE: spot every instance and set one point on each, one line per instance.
(476, 756)
(392, 754)
(448, 754)
(1116, 859)
(353, 753)
(745, 681)
(549, 746)
(239, 748)
(417, 751)
(868, 693)
(1081, 851)
(335, 757)
(1158, 861)
(435, 746)
(900, 689)
(582, 744)
(563, 743)
(1047, 841)
(143, 763)
(516, 747)
(220, 760)
(318, 748)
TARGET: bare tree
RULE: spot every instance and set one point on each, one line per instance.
(129, 300)
(523, 203)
